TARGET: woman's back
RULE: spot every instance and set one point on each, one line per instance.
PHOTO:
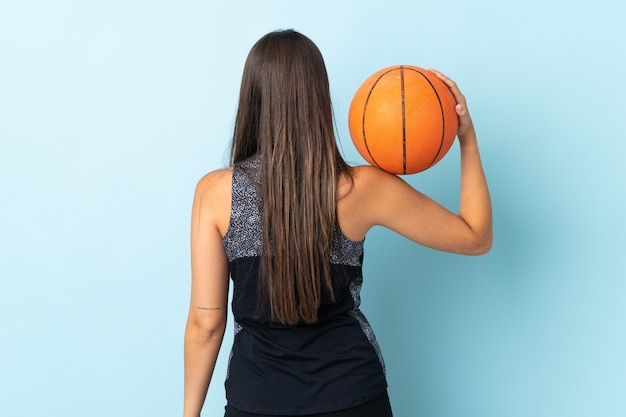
(354, 198)
(332, 364)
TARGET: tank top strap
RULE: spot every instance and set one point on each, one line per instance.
(243, 237)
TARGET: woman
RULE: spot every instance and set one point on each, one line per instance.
(287, 222)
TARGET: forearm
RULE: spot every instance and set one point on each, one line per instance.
(201, 350)
(475, 202)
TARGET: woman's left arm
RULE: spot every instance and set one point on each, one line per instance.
(209, 293)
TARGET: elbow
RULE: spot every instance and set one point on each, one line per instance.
(214, 332)
(481, 244)
(474, 242)
(483, 248)
(206, 330)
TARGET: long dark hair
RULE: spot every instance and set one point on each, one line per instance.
(285, 115)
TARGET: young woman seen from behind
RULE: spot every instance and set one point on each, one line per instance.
(286, 222)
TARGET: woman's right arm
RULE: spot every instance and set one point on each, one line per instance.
(398, 206)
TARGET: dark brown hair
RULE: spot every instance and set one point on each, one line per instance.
(285, 115)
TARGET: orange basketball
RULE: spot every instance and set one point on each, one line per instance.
(403, 119)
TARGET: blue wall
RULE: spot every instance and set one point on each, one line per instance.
(110, 112)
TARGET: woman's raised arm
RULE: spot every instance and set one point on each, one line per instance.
(394, 204)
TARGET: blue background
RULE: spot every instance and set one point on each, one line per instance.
(111, 111)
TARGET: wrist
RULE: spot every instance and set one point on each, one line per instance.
(468, 136)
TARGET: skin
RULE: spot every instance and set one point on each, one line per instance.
(373, 198)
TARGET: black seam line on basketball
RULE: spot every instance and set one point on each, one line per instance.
(443, 119)
(403, 120)
(365, 110)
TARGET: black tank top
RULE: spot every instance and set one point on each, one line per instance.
(331, 365)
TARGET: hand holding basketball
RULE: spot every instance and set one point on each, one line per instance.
(465, 121)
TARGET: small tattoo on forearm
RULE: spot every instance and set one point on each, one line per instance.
(209, 308)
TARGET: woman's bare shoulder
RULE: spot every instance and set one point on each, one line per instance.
(213, 197)
(214, 183)
(366, 178)
(359, 193)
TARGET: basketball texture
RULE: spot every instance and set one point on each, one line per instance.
(402, 119)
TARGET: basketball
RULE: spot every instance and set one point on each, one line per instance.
(402, 119)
